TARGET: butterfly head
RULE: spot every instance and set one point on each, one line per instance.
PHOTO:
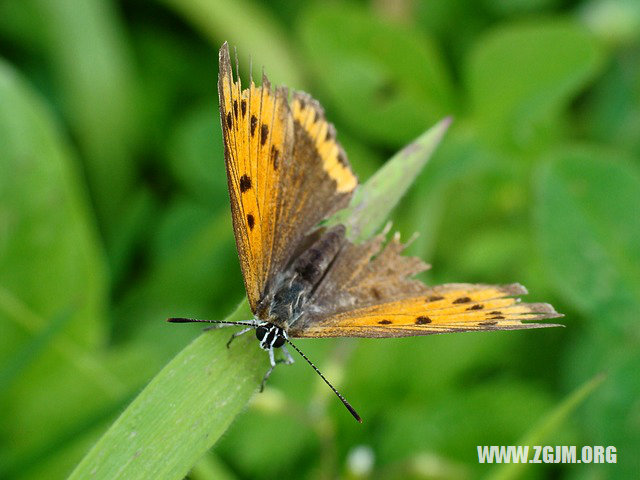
(270, 336)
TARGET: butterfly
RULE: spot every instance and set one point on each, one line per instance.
(287, 173)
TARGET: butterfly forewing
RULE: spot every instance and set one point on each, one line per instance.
(285, 170)
(258, 134)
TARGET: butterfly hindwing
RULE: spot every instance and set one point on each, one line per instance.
(441, 309)
(286, 172)
(368, 273)
(369, 292)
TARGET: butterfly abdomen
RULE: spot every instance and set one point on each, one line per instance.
(303, 275)
(311, 266)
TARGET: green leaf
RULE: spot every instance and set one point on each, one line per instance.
(182, 412)
(521, 75)
(361, 62)
(373, 201)
(588, 229)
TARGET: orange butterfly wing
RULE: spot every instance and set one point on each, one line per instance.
(446, 308)
(369, 292)
(285, 172)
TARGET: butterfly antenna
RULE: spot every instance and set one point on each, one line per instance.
(196, 320)
(339, 395)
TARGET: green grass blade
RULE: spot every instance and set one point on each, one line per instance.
(182, 412)
(373, 201)
(550, 423)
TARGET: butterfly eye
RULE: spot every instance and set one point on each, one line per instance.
(261, 332)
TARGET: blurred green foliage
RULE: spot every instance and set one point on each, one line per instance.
(114, 216)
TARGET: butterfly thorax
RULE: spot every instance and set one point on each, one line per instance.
(293, 289)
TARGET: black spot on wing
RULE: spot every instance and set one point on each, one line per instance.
(229, 120)
(243, 107)
(385, 322)
(477, 306)
(433, 298)
(275, 153)
(235, 108)
(264, 133)
(245, 183)
(254, 123)
(251, 221)
(488, 324)
(422, 320)
(462, 300)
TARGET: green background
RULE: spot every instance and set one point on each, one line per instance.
(114, 216)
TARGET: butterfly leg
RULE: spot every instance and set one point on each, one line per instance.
(274, 362)
(237, 334)
(288, 359)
